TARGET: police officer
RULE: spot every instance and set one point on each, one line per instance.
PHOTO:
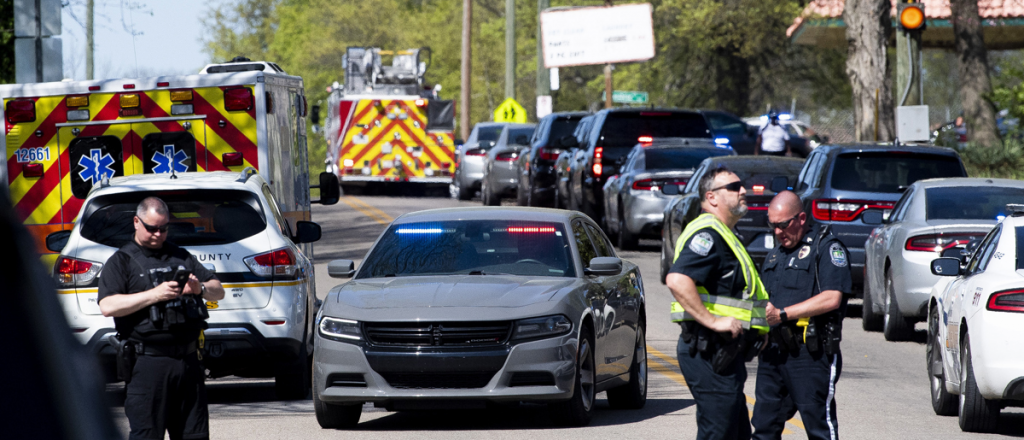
(720, 304)
(158, 324)
(806, 276)
(772, 138)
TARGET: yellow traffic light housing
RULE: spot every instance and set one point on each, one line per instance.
(911, 16)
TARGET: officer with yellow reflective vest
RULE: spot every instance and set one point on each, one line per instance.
(806, 275)
(720, 304)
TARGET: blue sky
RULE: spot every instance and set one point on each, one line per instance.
(170, 40)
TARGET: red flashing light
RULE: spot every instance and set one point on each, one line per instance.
(129, 86)
(939, 242)
(232, 159)
(20, 110)
(130, 112)
(645, 139)
(238, 99)
(32, 170)
(163, 84)
(94, 88)
(844, 210)
(421, 103)
(529, 230)
(758, 189)
(1007, 301)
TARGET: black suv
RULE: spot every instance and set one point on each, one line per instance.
(536, 167)
(612, 135)
(854, 187)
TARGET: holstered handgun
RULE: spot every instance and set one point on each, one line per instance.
(127, 355)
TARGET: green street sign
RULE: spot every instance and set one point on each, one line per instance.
(627, 97)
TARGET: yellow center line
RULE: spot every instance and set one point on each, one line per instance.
(381, 214)
(372, 215)
(682, 381)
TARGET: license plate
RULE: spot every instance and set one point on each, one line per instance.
(769, 241)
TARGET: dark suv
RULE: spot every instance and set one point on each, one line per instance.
(536, 167)
(853, 187)
(612, 134)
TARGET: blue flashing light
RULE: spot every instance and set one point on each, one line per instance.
(1000, 217)
(420, 231)
(722, 140)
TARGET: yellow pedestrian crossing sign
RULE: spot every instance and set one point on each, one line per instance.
(510, 111)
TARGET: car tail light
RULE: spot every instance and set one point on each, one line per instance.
(758, 189)
(70, 272)
(597, 168)
(646, 184)
(20, 110)
(232, 159)
(274, 321)
(238, 99)
(1007, 301)
(32, 170)
(505, 157)
(939, 242)
(476, 152)
(549, 154)
(279, 263)
(844, 210)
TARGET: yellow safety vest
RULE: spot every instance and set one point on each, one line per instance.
(750, 310)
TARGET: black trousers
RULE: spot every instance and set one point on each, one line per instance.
(167, 394)
(806, 380)
(721, 405)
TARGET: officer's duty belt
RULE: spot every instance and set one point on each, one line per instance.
(165, 350)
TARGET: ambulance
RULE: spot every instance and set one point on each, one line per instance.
(385, 125)
(63, 138)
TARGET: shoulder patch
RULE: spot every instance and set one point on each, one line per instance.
(838, 255)
(701, 243)
(804, 252)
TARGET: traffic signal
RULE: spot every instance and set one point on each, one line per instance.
(911, 16)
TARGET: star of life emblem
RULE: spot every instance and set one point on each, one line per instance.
(95, 166)
(170, 160)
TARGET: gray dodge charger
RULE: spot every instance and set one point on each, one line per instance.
(458, 308)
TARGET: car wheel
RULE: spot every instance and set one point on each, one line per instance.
(977, 414)
(870, 322)
(486, 196)
(627, 241)
(460, 192)
(943, 403)
(894, 326)
(634, 394)
(331, 416)
(578, 410)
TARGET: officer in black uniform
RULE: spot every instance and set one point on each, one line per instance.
(806, 276)
(706, 260)
(158, 324)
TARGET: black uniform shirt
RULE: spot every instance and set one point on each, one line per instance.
(123, 274)
(707, 259)
(789, 274)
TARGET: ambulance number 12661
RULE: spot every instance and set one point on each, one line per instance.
(33, 154)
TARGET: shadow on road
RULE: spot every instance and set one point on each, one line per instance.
(853, 318)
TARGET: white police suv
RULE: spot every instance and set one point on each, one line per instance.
(234, 226)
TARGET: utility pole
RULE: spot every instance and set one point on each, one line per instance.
(89, 41)
(543, 75)
(608, 76)
(467, 52)
(909, 87)
(510, 49)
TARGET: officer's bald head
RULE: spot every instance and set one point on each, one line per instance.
(787, 219)
(785, 204)
(151, 205)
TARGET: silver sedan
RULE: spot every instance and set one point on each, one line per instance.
(454, 308)
(935, 217)
(469, 159)
(501, 178)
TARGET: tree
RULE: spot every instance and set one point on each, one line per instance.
(867, 65)
(975, 85)
(6, 42)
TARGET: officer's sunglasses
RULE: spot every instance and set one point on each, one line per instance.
(734, 187)
(783, 224)
(153, 229)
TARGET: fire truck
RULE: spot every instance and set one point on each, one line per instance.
(385, 125)
(63, 138)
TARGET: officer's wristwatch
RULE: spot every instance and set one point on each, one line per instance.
(202, 289)
(782, 315)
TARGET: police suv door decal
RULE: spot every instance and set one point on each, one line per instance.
(163, 153)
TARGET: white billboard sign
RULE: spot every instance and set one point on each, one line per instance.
(597, 35)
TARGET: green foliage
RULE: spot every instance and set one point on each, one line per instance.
(1004, 160)
(6, 42)
(1008, 86)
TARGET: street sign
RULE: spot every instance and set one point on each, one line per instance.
(510, 111)
(627, 97)
(543, 106)
(597, 35)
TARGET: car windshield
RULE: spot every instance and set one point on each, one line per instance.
(198, 218)
(471, 247)
(680, 158)
(624, 129)
(890, 172)
(562, 127)
(970, 202)
(489, 133)
(515, 133)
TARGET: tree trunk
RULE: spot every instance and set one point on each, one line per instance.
(867, 28)
(975, 85)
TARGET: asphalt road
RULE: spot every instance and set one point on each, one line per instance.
(882, 393)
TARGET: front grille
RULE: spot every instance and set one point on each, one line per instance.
(433, 381)
(447, 334)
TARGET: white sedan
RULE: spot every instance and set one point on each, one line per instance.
(974, 321)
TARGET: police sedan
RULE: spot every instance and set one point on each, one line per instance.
(457, 308)
(974, 321)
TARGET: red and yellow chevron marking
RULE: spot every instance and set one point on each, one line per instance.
(46, 204)
(377, 124)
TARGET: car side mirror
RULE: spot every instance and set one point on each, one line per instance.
(872, 217)
(604, 266)
(56, 241)
(306, 232)
(341, 268)
(330, 189)
(670, 189)
(779, 184)
(946, 267)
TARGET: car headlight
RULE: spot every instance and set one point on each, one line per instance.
(344, 330)
(543, 327)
